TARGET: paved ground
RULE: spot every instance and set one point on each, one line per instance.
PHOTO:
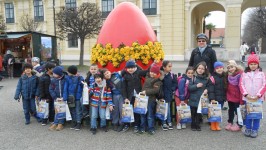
(15, 135)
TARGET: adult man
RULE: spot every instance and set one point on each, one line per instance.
(203, 53)
(9, 61)
(243, 51)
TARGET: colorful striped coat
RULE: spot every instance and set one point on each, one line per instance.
(101, 99)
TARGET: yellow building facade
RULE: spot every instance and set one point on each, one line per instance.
(176, 22)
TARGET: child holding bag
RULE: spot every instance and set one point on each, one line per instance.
(197, 87)
(253, 87)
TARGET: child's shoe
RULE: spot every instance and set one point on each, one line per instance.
(73, 125)
(27, 122)
(178, 126)
(93, 131)
(254, 133)
(183, 126)
(247, 132)
(115, 127)
(44, 122)
(136, 129)
(193, 127)
(151, 132)
(217, 126)
(141, 132)
(170, 126)
(59, 127)
(104, 128)
(235, 127)
(198, 128)
(165, 127)
(78, 126)
(52, 127)
(228, 126)
(126, 127)
(213, 126)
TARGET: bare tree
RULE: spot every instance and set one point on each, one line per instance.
(83, 22)
(2, 23)
(27, 23)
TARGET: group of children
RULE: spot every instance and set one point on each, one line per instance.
(111, 90)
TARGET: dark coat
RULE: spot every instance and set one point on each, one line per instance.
(169, 86)
(44, 83)
(209, 56)
(73, 84)
(54, 87)
(115, 83)
(6, 57)
(151, 87)
(217, 90)
(195, 92)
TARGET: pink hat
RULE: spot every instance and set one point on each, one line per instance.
(155, 68)
(253, 58)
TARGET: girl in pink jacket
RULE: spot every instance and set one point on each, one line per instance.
(252, 87)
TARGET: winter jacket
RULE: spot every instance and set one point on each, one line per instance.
(169, 86)
(253, 83)
(132, 82)
(216, 87)
(102, 96)
(54, 88)
(27, 87)
(183, 95)
(6, 58)
(71, 83)
(44, 83)
(209, 56)
(233, 93)
(115, 83)
(151, 87)
(196, 92)
(90, 81)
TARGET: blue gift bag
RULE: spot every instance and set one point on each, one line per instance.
(254, 109)
(141, 104)
(184, 113)
(127, 113)
(43, 109)
(161, 110)
(214, 112)
(60, 109)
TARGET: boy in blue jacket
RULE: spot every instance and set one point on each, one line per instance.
(27, 87)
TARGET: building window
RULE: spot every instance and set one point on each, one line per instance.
(72, 40)
(149, 7)
(38, 10)
(9, 7)
(71, 4)
(155, 31)
(107, 7)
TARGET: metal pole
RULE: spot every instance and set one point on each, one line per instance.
(55, 32)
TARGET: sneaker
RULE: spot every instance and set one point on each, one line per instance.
(178, 126)
(44, 122)
(184, 126)
(235, 127)
(120, 128)
(52, 127)
(165, 127)
(73, 125)
(126, 127)
(228, 126)
(136, 129)
(93, 131)
(151, 132)
(59, 127)
(170, 126)
(27, 122)
(254, 133)
(193, 128)
(141, 132)
(115, 127)
(198, 128)
(247, 132)
(104, 128)
(78, 126)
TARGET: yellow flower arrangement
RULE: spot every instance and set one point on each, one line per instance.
(151, 50)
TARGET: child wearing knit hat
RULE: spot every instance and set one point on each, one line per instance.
(233, 94)
(216, 89)
(252, 87)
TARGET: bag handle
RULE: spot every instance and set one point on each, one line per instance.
(141, 94)
(214, 103)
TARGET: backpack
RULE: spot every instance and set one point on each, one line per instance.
(186, 87)
(11, 61)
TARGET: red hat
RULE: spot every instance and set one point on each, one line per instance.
(155, 68)
(253, 58)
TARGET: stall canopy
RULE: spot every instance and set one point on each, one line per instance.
(13, 36)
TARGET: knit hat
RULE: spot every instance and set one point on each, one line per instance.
(35, 59)
(155, 68)
(72, 69)
(8, 52)
(231, 63)
(253, 58)
(218, 64)
(58, 70)
(130, 64)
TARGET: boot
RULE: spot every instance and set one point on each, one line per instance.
(213, 127)
(59, 127)
(217, 126)
(52, 127)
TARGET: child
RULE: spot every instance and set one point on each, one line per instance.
(150, 88)
(27, 87)
(253, 87)
(169, 86)
(182, 95)
(197, 87)
(90, 82)
(37, 68)
(56, 91)
(101, 98)
(44, 84)
(233, 94)
(73, 88)
(216, 89)
(132, 82)
(115, 82)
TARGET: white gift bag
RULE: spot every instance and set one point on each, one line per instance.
(107, 113)
(68, 115)
(85, 95)
(43, 109)
(239, 117)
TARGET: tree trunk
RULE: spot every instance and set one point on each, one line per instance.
(204, 23)
(210, 36)
(81, 51)
(263, 46)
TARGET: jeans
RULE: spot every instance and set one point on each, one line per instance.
(29, 107)
(243, 58)
(94, 116)
(76, 112)
(117, 112)
(253, 124)
(148, 117)
(232, 111)
(169, 116)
